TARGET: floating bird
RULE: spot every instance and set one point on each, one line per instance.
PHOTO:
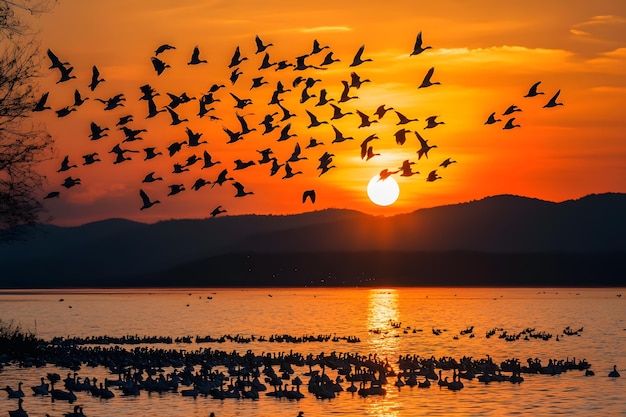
(310, 194)
(163, 48)
(146, 200)
(511, 109)
(19, 411)
(418, 48)
(358, 60)
(241, 192)
(447, 162)
(41, 389)
(510, 124)
(195, 57)
(432, 122)
(217, 210)
(614, 373)
(158, 65)
(14, 393)
(95, 78)
(492, 119)
(427, 79)
(553, 102)
(532, 91)
(425, 147)
(41, 104)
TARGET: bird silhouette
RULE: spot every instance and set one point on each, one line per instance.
(65, 164)
(431, 122)
(222, 177)
(237, 58)
(55, 61)
(151, 178)
(241, 192)
(199, 183)
(175, 189)
(260, 46)
(295, 155)
(385, 173)
(132, 134)
(69, 182)
(433, 176)
(314, 120)
(90, 158)
(510, 124)
(328, 59)
(511, 109)
(176, 120)
(275, 167)
(285, 134)
(112, 102)
(553, 102)
(446, 163)
(400, 136)
(345, 93)
(406, 169)
(124, 120)
(339, 137)
(66, 74)
(175, 147)
(317, 48)
(492, 119)
(146, 200)
(152, 109)
(163, 48)
(358, 60)
(289, 173)
(78, 99)
(239, 164)
(425, 147)
(356, 81)
(418, 48)
(258, 82)
(265, 156)
(310, 194)
(313, 143)
(52, 194)
(65, 111)
(41, 103)
(97, 132)
(532, 91)
(179, 169)
(208, 160)
(402, 119)
(365, 143)
(381, 111)
(193, 138)
(234, 75)
(338, 112)
(324, 99)
(427, 79)
(158, 65)
(217, 211)
(95, 78)
(365, 119)
(195, 57)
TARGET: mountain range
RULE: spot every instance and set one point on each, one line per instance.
(503, 240)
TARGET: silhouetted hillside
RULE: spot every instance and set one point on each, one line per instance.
(493, 241)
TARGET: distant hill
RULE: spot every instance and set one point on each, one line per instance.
(500, 240)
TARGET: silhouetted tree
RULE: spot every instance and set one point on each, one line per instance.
(23, 144)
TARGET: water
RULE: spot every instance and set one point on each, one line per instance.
(388, 322)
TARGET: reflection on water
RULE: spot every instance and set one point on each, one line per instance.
(383, 315)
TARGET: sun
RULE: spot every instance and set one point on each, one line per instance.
(383, 192)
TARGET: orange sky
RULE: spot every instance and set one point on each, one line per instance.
(486, 55)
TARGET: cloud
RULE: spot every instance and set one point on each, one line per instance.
(602, 20)
(326, 29)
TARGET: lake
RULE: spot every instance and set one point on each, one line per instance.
(493, 324)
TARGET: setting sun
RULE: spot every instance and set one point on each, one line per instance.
(383, 192)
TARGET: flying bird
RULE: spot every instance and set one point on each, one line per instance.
(339, 137)
(163, 48)
(510, 124)
(328, 59)
(90, 158)
(260, 46)
(175, 118)
(41, 104)
(317, 48)
(146, 200)
(431, 122)
(97, 132)
(532, 91)
(511, 109)
(95, 78)
(158, 65)
(365, 143)
(289, 171)
(425, 147)
(356, 81)
(65, 164)
(217, 210)
(401, 136)
(433, 176)
(314, 120)
(365, 119)
(418, 48)
(447, 162)
(195, 57)
(237, 58)
(406, 169)
(553, 102)
(241, 192)
(345, 93)
(151, 178)
(310, 194)
(381, 110)
(492, 119)
(402, 119)
(427, 79)
(358, 60)
(208, 160)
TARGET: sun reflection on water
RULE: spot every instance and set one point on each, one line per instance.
(382, 320)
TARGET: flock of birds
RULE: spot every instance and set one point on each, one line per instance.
(235, 108)
(217, 105)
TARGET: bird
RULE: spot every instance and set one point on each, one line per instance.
(237, 58)
(146, 200)
(381, 110)
(317, 48)
(195, 57)
(492, 119)
(433, 176)
(284, 133)
(175, 189)
(112, 102)
(432, 122)
(260, 46)
(356, 81)
(41, 104)
(69, 182)
(65, 164)
(370, 153)
(132, 135)
(175, 147)
(239, 164)
(402, 119)
(328, 59)
(152, 109)
(313, 143)
(275, 167)
(532, 91)
(90, 158)
(511, 109)
(338, 112)
(365, 119)
(345, 93)
(95, 78)
(199, 183)
(614, 373)
(358, 60)
(193, 138)
(208, 160)
(553, 102)
(124, 120)
(41, 389)
(406, 169)
(65, 111)
(151, 178)
(314, 120)
(52, 194)
(289, 171)
(241, 192)
(15, 393)
(425, 147)
(510, 124)
(385, 173)
(234, 75)
(265, 156)
(364, 144)
(163, 48)
(179, 169)
(310, 194)
(159, 66)
(148, 93)
(324, 99)
(55, 61)
(339, 137)
(241, 102)
(217, 210)
(258, 82)
(19, 412)
(175, 118)
(401, 136)
(447, 162)
(65, 74)
(427, 79)
(97, 132)
(295, 155)
(418, 48)
(222, 177)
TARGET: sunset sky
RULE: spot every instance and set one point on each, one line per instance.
(486, 55)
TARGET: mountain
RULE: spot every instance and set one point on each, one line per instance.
(500, 240)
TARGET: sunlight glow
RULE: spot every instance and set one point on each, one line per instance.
(383, 192)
